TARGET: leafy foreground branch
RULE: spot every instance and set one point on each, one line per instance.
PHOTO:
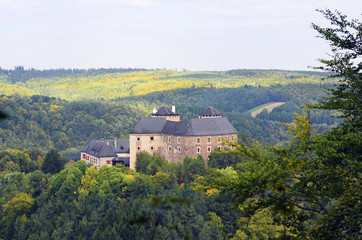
(310, 188)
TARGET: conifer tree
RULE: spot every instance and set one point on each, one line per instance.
(54, 162)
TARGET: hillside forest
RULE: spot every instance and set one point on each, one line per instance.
(295, 172)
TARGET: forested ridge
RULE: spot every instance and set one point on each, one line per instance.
(295, 173)
(55, 120)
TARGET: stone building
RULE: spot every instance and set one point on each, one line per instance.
(109, 152)
(175, 140)
(163, 133)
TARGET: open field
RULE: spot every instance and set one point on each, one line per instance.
(268, 106)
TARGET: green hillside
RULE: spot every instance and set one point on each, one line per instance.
(65, 109)
(109, 86)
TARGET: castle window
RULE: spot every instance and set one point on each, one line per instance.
(232, 138)
(169, 139)
(178, 140)
(197, 140)
(138, 148)
(219, 148)
(226, 138)
(198, 150)
(179, 149)
(169, 148)
(209, 149)
(208, 140)
(151, 147)
(218, 140)
(151, 138)
(138, 139)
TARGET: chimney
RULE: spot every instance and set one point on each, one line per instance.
(115, 143)
(102, 140)
(173, 109)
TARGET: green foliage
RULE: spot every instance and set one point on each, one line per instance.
(54, 162)
(16, 160)
(222, 159)
(345, 39)
(306, 187)
(193, 167)
(19, 205)
(304, 184)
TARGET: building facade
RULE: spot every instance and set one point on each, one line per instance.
(163, 133)
(106, 152)
(175, 140)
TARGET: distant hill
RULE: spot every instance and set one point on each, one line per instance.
(110, 84)
(66, 108)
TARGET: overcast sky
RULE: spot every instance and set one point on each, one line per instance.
(182, 34)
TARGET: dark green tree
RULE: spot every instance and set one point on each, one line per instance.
(345, 38)
(54, 162)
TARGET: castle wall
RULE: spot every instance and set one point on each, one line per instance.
(105, 161)
(175, 118)
(95, 161)
(176, 148)
(143, 142)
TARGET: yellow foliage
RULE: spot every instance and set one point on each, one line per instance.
(128, 179)
(211, 192)
(119, 85)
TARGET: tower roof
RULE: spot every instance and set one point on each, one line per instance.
(164, 111)
(210, 111)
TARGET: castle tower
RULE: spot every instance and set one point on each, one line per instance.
(210, 112)
(167, 113)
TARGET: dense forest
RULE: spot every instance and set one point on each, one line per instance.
(56, 120)
(295, 173)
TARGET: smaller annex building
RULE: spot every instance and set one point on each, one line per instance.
(163, 133)
(109, 152)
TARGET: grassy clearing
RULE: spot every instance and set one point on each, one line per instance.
(268, 106)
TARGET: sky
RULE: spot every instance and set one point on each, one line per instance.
(196, 35)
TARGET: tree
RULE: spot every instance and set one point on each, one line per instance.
(54, 162)
(17, 206)
(345, 39)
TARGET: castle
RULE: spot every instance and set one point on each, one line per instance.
(163, 133)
